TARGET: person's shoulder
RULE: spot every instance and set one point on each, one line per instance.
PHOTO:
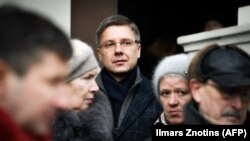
(247, 121)
(101, 97)
(146, 81)
(98, 78)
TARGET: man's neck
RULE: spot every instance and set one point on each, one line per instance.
(118, 77)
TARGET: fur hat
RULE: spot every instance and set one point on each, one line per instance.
(83, 59)
(174, 64)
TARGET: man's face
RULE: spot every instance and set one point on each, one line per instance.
(33, 98)
(219, 106)
(212, 25)
(174, 94)
(118, 52)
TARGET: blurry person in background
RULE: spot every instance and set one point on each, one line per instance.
(90, 115)
(212, 25)
(219, 80)
(33, 66)
(131, 96)
(213, 20)
(164, 45)
(171, 88)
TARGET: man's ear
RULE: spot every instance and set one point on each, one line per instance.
(99, 54)
(3, 73)
(139, 51)
(195, 88)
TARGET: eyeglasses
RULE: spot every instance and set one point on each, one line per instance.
(123, 43)
(230, 93)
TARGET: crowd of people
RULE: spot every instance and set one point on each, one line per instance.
(52, 87)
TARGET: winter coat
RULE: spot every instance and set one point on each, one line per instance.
(92, 124)
(139, 110)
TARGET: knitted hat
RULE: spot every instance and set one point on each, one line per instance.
(174, 64)
(83, 59)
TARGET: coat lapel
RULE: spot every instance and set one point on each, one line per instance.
(139, 103)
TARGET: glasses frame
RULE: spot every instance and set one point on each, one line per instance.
(124, 43)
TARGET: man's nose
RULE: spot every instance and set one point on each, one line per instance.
(118, 47)
(237, 101)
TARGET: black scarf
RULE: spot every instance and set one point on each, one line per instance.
(117, 91)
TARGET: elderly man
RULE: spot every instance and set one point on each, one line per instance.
(33, 66)
(133, 103)
(219, 79)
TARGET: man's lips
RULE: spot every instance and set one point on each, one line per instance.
(119, 61)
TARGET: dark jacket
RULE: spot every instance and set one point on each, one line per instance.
(139, 110)
(193, 117)
(92, 124)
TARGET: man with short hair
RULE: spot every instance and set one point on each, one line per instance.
(33, 66)
(133, 103)
(219, 79)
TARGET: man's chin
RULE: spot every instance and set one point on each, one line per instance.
(176, 121)
(38, 132)
(120, 71)
(229, 121)
(234, 121)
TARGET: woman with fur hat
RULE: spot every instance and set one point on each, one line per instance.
(171, 88)
(90, 116)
